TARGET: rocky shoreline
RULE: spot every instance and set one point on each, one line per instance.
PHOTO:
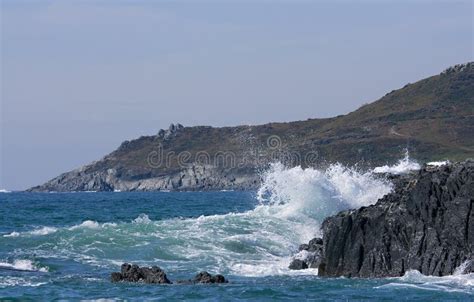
(196, 177)
(425, 224)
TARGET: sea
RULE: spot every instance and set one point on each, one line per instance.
(63, 246)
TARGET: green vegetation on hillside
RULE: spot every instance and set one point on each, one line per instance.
(433, 118)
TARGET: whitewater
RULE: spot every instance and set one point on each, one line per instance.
(74, 241)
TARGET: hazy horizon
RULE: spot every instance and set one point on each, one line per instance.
(80, 77)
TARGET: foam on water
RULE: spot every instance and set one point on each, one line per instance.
(90, 224)
(292, 203)
(463, 283)
(142, 218)
(289, 209)
(438, 163)
(18, 281)
(23, 265)
(404, 165)
(462, 269)
(43, 231)
(36, 232)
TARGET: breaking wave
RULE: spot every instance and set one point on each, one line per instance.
(438, 163)
(291, 205)
(288, 210)
(462, 283)
(23, 265)
(36, 232)
(404, 165)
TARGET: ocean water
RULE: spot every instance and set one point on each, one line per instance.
(65, 245)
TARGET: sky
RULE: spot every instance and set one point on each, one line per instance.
(80, 77)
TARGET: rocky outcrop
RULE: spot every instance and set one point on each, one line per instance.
(195, 177)
(426, 224)
(134, 273)
(155, 275)
(170, 132)
(204, 278)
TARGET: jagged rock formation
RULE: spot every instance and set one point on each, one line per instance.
(434, 117)
(172, 130)
(426, 224)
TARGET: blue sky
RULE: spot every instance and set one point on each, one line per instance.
(79, 77)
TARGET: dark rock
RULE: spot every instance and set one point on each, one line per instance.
(297, 264)
(134, 273)
(171, 132)
(205, 277)
(315, 244)
(426, 224)
(220, 279)
(155, 275)
(303, 247)
(309, 256)
(116, 277)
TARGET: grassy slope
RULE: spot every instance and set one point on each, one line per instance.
(434, 118)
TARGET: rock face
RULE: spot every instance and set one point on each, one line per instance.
(195, 177)
(426, 224)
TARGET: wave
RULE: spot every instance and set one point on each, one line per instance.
(88, 224)
(9, 281)
(23, 265)
(47, 230)
(414, 279)
(403, 166)
(292, 203)
(438, 163)
(4, 191)
(36, 232)
(317, 194)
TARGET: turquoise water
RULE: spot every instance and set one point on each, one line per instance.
(65, 245)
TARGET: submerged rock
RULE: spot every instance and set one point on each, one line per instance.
(426, 224)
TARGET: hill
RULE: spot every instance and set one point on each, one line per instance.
(433, 118)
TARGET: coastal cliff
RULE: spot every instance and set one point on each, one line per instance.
(425, 224)
(434, 117)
